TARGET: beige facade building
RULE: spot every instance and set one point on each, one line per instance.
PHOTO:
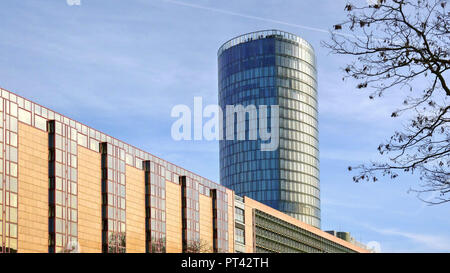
(66, 187)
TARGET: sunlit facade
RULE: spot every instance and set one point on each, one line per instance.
(273, 68)
(66, 187)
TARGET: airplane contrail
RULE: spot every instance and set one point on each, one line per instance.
(180, 3)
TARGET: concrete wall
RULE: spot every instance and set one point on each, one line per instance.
(173, 218)
(206, 223)
(32, 190)
(89, 201)
(135, 210)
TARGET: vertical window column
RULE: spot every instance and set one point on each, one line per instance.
(155, 207)
(190, 215)
(214, 215)
(113, 198)
(8, 177)
(63, 188)
(220, 210)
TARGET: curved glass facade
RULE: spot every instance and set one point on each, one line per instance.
(273, 68)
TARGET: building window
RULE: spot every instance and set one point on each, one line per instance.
(240, 235)
(239, 215)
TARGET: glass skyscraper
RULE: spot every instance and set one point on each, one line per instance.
(273, 68)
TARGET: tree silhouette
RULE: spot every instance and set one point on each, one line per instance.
(198, 246)
(158, 245)
(71, 247)
(402, 44)
(117, 242)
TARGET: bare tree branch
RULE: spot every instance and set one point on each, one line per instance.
(399, 44)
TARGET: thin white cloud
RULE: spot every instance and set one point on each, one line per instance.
(432, 242)
(349, 205)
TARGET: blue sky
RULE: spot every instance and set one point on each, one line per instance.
(120, 67)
